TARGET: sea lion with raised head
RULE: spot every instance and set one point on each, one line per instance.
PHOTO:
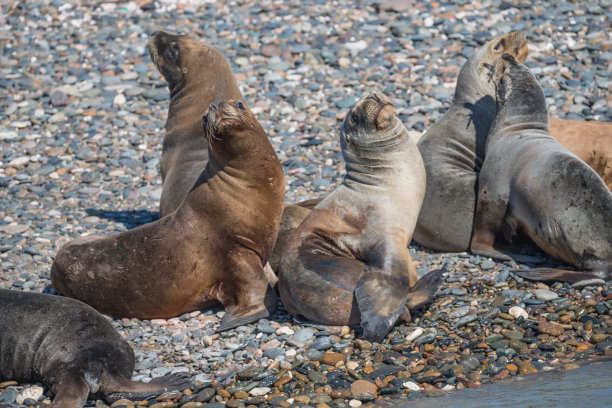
(213, 248)
(197, 75)
(453, 150)
(348, 263)
(72, 349)
(530, 184)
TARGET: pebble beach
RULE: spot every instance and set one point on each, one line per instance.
(82, 115)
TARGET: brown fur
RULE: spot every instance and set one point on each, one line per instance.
(348, 263)
(197, 75)
(212, 249)
(591, 141)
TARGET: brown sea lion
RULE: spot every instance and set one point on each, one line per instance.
(213, 248)
(70, 348)
(348, 262)
(197, 75)
(530, 184)
(453, 150)
(591, 141)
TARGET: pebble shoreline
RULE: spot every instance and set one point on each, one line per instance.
(81, 126)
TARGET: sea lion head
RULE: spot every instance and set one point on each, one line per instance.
(231, 128)
(476, 75)
(513, 43)
(518, 92)
(371, 124)
(175, 56)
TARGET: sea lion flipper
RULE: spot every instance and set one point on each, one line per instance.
(425, 288)
(560, 275)
(381, 300)
(70, 391)
(136, 390)
(236, 315)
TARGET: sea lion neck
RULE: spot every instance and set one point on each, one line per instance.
(377, 166)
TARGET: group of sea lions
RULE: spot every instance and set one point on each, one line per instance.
(488, 171)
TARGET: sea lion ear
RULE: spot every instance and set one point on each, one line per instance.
(509, 58)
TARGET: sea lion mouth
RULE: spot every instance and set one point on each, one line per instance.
(381, 121)
(222, 113)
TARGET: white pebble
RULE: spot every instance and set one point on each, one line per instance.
(259, 391)
(355, 403)
(34, 392)
(19, 161)
(409, 385)
(413, 335)
(352, 365)
(516, 311)
(284, 330)
(119, 99)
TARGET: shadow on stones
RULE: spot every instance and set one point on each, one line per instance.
(130, 219)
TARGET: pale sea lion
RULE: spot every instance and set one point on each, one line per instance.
(70, 348)
(213, 248)
(453, 150)
(348, 262)
(589, 140)
(197, 75)
(530, 184)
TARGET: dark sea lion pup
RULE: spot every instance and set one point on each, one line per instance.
(213, 248)
(453, 150)
(70, 348)
(348, 262)
(197, 75)
(531, 184)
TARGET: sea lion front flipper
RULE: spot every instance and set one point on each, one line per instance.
(236, 315)
(425, 288)
(136, 390)
(560, 275)
(71, 390)
(381, 299)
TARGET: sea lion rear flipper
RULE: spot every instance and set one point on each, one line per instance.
(381, 299)
(560, 275)
(136, 390)
(71, 390)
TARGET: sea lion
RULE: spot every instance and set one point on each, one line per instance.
(212, 248)
(591, 141)
(70, 348)
(348, 262)
(530, 184)
(197, 75)
(453, 150)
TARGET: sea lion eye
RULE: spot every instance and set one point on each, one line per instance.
(240, 105)
(354, 118)
(496, 48)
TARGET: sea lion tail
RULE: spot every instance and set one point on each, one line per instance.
(562, 275)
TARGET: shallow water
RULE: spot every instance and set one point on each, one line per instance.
(587, 386)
